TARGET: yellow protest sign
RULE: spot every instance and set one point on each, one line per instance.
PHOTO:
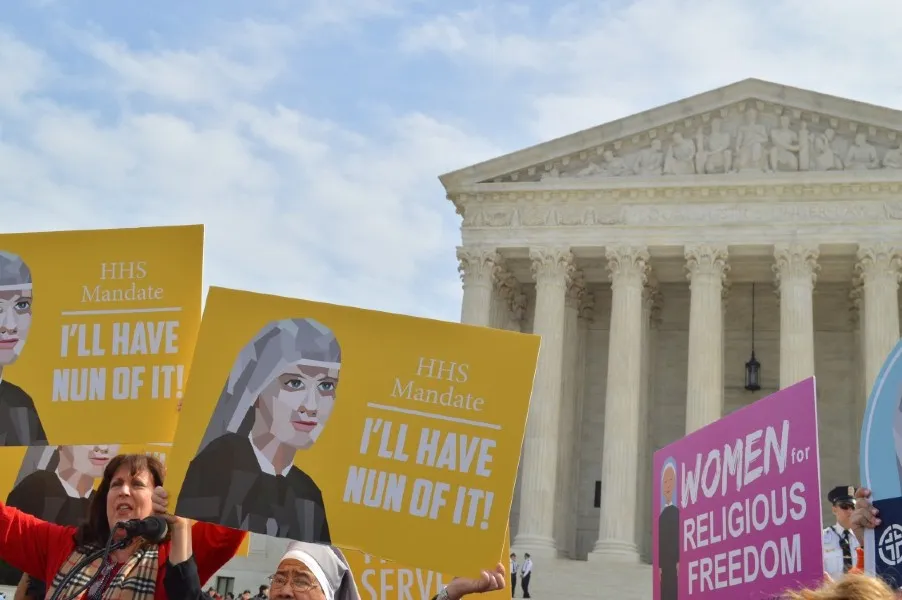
(403, 431)
(97, 329)
(385, 580)
(245, 547)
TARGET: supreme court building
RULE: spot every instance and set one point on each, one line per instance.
(638, 249)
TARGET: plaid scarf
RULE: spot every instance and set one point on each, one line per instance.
(135, 580)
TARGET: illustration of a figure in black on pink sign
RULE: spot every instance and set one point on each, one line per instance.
(19, 421)
(277, 400)
(669, 533)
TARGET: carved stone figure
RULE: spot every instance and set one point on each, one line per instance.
(784, 146)
(554, 173)
(738, 141)
(715, 156)
(651, 160)
(862, 155)
(893, 158)
(804, 147)
(825, 155)
(680, 158)
(613, 166)
(590, 170)
(750, 141)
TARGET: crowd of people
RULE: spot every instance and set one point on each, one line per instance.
(175, 567)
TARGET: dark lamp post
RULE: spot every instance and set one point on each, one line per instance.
(753, 367)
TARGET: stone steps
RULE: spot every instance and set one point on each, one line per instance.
(557, 579)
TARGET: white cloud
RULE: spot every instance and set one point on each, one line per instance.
(592, 62)
(23, 70)
(206, 75)
(301, 205)
(293, 204)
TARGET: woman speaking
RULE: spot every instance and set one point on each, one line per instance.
(131, 488)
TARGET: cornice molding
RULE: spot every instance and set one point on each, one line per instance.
(825, 185)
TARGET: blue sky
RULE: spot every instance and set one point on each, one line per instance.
(310, 133)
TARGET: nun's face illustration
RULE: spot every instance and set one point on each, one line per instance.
(15, 322)
(667, 483)
(297, 403)
(90, 460)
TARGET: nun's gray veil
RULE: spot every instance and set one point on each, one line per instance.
(37, 458)
(14, 273)
(277, 346)
(15, 276)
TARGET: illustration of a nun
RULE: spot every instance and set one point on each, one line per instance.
(277, 400)
(19, 422)
(56, 484)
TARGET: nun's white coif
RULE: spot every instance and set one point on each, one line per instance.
(329, 567)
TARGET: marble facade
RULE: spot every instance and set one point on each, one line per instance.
(633, 249)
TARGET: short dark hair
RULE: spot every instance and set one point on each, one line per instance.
(96, 530)
(263, 588)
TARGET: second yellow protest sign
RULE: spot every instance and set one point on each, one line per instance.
(97, 329)
(368, 430)
(379, 579)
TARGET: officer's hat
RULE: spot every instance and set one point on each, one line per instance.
(843, 493)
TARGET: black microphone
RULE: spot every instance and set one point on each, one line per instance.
(153, 529)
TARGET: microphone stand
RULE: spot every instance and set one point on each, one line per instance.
(87, 560)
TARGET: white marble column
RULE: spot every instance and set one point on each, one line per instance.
(724, 342)
(586, 316)
(571, 375)
(477, 271)
(707, 266)
(552, 269)
(651, 300)
(796, 272)
(856, 316)
(628, 267)
(878, 267)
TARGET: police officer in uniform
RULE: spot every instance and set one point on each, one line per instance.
(840, 544)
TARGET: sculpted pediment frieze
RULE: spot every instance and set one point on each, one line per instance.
(747, 137)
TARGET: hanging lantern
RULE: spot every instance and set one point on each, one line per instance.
(753, 374)
(753, 367)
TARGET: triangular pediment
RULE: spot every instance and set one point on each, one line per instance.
(752, 126)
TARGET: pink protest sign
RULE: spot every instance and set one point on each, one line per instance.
(736, 506)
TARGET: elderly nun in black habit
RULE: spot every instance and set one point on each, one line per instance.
(19, 422)
(277, 400)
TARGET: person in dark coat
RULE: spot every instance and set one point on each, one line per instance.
(668, 536)
(19, 421)
(277, 400)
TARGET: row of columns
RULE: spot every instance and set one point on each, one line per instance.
(562, 312)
